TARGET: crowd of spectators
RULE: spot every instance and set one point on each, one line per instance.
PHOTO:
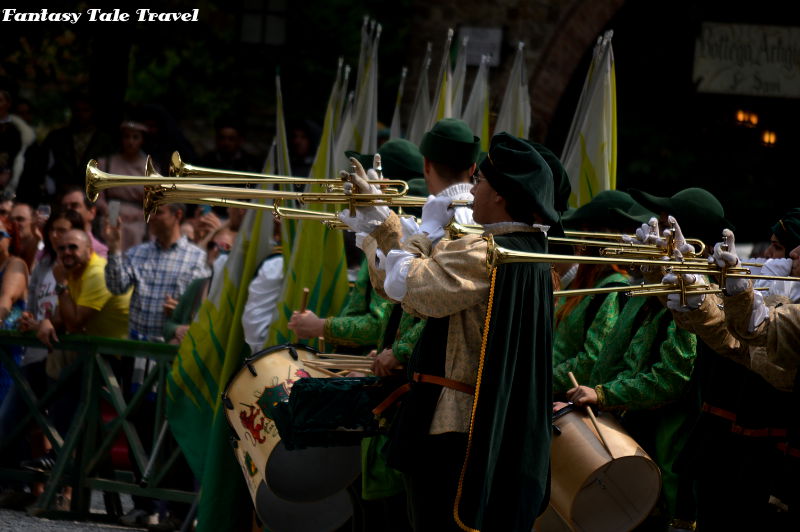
(67, 267)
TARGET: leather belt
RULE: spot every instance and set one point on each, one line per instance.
(423, 377)
(767, 432)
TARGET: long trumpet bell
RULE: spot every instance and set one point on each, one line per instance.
(97, 180)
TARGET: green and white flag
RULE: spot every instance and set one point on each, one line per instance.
(476, 113)
(420, 112)
(211, 352)
(590, 153)
(317, 261)
(515, 111)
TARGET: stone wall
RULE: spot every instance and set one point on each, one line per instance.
(556, 34)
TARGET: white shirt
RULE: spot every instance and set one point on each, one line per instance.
(460, 191)
(261, 308)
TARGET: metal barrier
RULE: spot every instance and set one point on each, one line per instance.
(83, 459)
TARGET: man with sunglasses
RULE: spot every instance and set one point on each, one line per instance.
(85, 305)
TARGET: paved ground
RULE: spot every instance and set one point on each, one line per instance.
(20, 521)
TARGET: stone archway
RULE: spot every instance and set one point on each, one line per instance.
(577, 30)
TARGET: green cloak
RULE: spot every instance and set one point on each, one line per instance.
(505, 481)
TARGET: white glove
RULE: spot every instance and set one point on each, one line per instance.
(678, 239)
(693, 301)
(646, 234)
(376, 163)
(436, 213)
(727, 258)
(358, 223)
(410, 227)
(366, 219)
(397, 263)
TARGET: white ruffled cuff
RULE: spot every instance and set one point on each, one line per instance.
(397, 263)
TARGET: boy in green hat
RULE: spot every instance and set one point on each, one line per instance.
(450, 152)
(468, 461)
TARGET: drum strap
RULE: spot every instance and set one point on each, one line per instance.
(768, 432)
(422, 377)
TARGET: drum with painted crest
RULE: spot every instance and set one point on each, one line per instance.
(591, 490)
(316, 474)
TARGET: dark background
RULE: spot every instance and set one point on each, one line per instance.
(670, 136)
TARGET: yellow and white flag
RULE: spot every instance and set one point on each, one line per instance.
(515, 111)
(421, 111)
(459, 79)
(590, 153)
(476, 113)
(442, 106)
(396, 129)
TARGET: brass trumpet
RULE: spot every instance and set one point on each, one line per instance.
(97, 180)
(174, 192)
(497, 255)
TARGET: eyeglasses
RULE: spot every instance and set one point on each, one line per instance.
(477, 177)
(222, 246)
(4, 234)
(71, 247)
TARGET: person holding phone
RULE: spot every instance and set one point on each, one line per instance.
(130, 160)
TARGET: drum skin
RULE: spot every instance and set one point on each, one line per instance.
(302, 476)
(279, 515)
(590, 490)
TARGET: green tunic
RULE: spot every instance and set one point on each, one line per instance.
(648, 361)
(645, 371)
(359, 323)
(579, 337)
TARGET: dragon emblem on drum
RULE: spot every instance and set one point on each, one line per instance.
(250, 421)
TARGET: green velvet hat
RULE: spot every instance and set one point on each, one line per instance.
(602, 211)
(561, 187)
(400, 159)
(787, 230)
(451, 142)
(634, 216)
(517, 172)
(698, 211)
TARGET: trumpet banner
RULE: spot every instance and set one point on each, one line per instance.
(590, 152)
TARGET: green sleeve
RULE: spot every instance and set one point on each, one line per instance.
(596, 338)
(359, 330)
(356, 302)
(648, 383)
(410, 330)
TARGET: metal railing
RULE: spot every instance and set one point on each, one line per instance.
(83, 454)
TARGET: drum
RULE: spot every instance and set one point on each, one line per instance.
(250, 399)
(279, 515)
(590, 490)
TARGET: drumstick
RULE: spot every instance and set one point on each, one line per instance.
(327, 372)
(337, 356)
(304, 301)
(591, 416)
